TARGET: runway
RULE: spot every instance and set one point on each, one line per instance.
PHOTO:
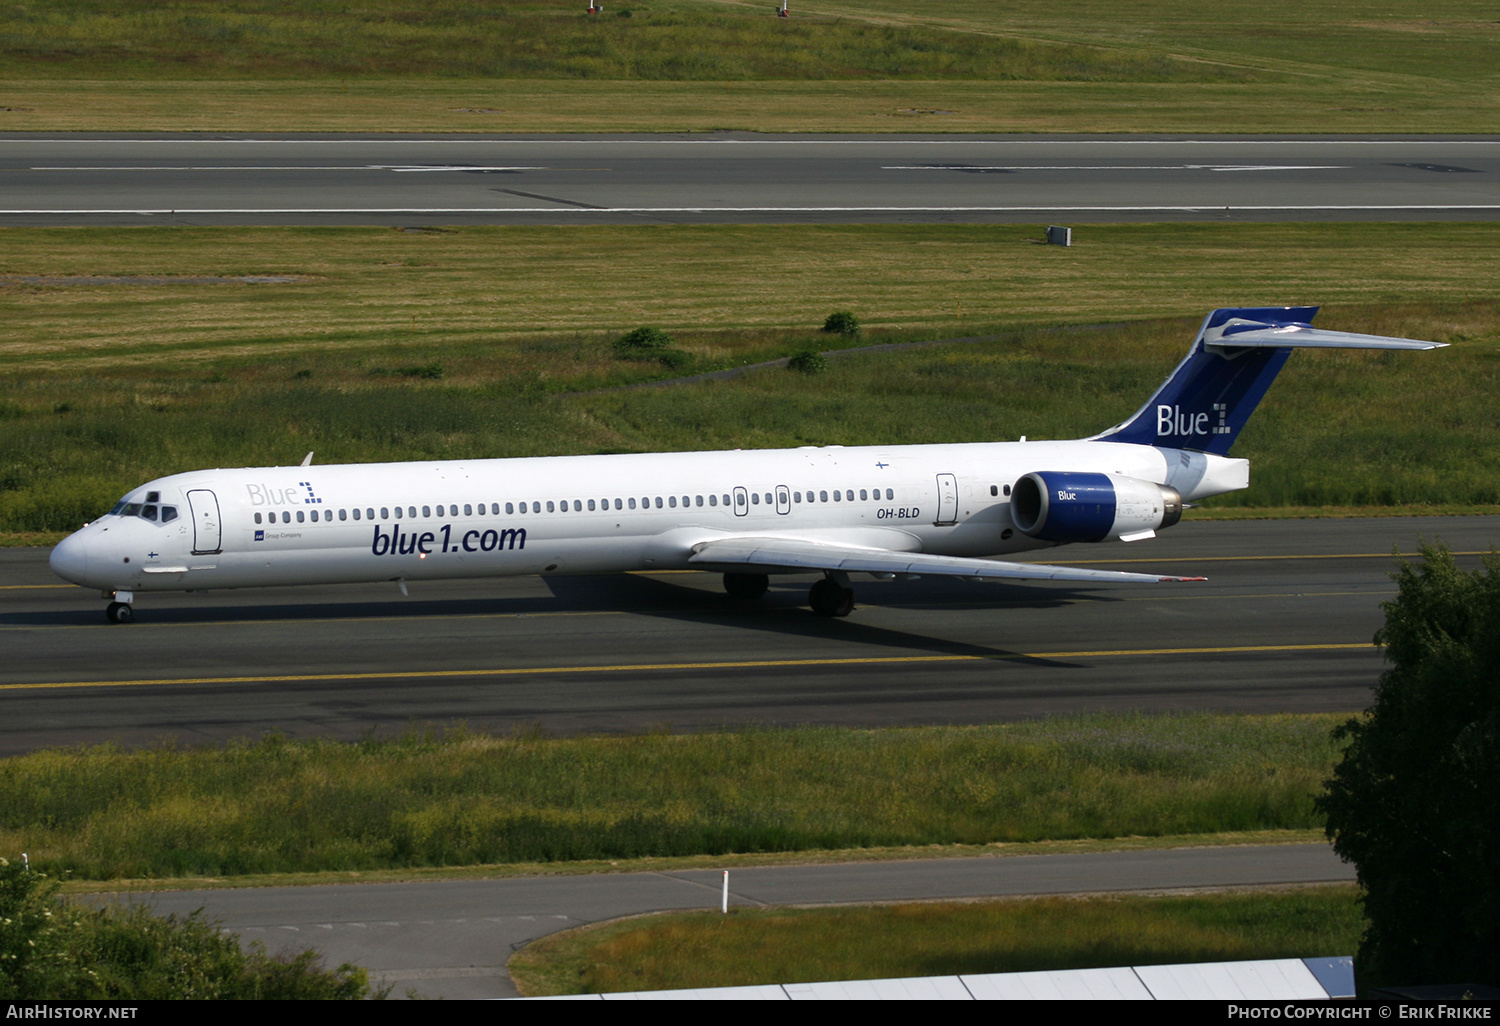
(1283, 624)
(739, 178)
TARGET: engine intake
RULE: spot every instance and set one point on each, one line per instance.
(1061, 506)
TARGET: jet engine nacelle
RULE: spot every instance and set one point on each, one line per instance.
(1060, 506)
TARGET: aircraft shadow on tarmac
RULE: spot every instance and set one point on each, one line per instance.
(782, 610)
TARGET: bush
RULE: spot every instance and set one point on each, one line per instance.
(809, 361)
(676, 359)
(1415, 804)
(842, 323)
(642, 344)
(51, 948)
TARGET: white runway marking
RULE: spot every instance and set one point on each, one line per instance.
(301, 167)
(1116, 167)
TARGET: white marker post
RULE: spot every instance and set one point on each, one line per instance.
(724, 901)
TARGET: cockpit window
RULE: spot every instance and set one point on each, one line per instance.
(145, 510)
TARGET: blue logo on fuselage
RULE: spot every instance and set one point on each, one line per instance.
(408, 542)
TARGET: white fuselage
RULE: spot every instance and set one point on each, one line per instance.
(586, 514)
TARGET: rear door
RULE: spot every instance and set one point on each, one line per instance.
(947, 486)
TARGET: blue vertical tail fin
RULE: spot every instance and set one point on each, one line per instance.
(1234, 359)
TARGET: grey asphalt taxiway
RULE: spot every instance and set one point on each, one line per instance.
(739, 178)
(452, 938)
(1283, 624)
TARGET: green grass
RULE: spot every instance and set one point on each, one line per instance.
(480, 342)
(702, 65)
(519, 106)
(675, 863)
(279, 806)
(788, 945)
(673, 40)
(355, 291)
(1448, 40)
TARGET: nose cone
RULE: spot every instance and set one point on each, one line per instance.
(70, 560)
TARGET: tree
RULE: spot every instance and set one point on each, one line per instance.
(1415, 804)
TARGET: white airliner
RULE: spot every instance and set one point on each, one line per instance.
(887, 511)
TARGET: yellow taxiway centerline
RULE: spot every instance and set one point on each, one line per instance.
(749, 664)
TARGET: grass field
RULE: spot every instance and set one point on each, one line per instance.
(671, 40)
(1451, 40)
(792, 945)
(704, 65)
(382, 344)
(281, 806)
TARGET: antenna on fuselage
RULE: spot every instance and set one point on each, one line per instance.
(306, 461)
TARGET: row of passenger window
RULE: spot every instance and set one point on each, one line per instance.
(564, 505)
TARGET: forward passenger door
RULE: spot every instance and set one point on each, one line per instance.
(206, 533)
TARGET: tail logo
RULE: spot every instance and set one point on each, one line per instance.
(1171, 422)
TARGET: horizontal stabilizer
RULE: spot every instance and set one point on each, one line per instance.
(799, 555)
(1239, 333)
(1237, 354)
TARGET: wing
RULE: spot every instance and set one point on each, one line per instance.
(799, 555)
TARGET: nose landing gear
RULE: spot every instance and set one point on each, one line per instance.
(118, 610)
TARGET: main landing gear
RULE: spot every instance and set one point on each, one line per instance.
(746, 587)
(831, 596)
